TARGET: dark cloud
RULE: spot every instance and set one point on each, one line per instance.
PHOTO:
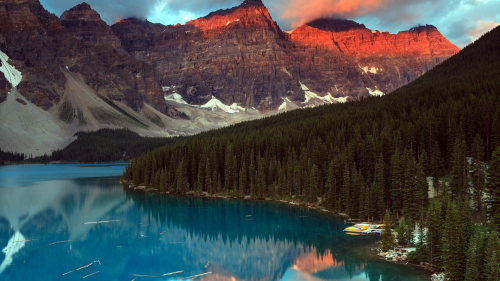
(458, 20)
(110, 10)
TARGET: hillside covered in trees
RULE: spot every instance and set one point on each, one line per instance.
(105, 145)
(363, 158)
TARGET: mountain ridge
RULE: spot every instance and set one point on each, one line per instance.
(238, 56)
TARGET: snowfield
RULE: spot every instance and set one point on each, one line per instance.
(12, 75)
(215, 104)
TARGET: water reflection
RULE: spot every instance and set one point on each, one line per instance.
(43, 235)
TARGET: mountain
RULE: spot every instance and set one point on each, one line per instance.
(241, 55)
(75, 73)
(362, 158)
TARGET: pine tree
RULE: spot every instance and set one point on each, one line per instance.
(434, 229)
(401, 232)
(208, 178)
(495, 131)
(314, 181)
(412, 199)
(454, 256)
(492, 260)
(346, 191)
(382, 203)
(243, 180)
(478, 171)
(458, 184)
(387, 237)
(397, 182)
(472, 272)
(493, 187)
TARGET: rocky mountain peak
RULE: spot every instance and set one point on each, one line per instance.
(335, 25)
(81, 7)
(425, 27)
(252, 3)
(81, 12)
(88, 26)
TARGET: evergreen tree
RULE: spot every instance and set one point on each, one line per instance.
(454, 256)
(493, 187)
(397, 182)
(472, 272)
(401, 231)
(387, 236)
(243, 180)
(478, 171)
(412, 200)
(458, 184)
(433, 238)
(492, 260)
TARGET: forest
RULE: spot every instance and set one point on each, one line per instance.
(105, 145)
(370, 158)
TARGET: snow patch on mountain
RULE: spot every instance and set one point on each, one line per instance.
(371, 69)
(215, 104)
(326, 99)
(235, 106)
(12, 75)
(375, 92)
(175, 97)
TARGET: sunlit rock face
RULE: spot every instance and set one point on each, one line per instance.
(240, 55)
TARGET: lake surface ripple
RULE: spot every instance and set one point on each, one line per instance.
(49, 226)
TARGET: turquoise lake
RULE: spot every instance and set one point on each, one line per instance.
(48, 216)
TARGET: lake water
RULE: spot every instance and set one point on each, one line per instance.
(43, 234)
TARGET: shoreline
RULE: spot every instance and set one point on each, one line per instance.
(206, 195)
(291, 202)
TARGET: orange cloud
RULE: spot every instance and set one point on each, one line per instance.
(481, 28)
(299, 12)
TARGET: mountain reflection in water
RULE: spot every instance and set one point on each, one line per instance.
(43, 235)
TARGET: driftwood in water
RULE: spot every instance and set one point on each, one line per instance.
(59, 242)
(138, 275)
(85, 266)
(172, 273)
(98, 222)
(91, 274)
(195, 276)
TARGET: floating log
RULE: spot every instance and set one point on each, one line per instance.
(59, 242)
(207, 264)
(163, 232)
(25, 241)
(206, 251)
(248, 216)
(195, 276)
(85, 266)
(90, 274)
(98, 222)
(172, 273)
(138, 275)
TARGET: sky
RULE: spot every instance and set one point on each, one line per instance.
(461, 21)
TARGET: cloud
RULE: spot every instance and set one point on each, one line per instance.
(461, 21)
(110, 10)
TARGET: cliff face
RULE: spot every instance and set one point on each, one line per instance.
(346, 58)
(41, 45)
(236, 55)
(87, 25)
(240, 55)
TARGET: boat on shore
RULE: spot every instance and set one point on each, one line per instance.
(365, 228)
